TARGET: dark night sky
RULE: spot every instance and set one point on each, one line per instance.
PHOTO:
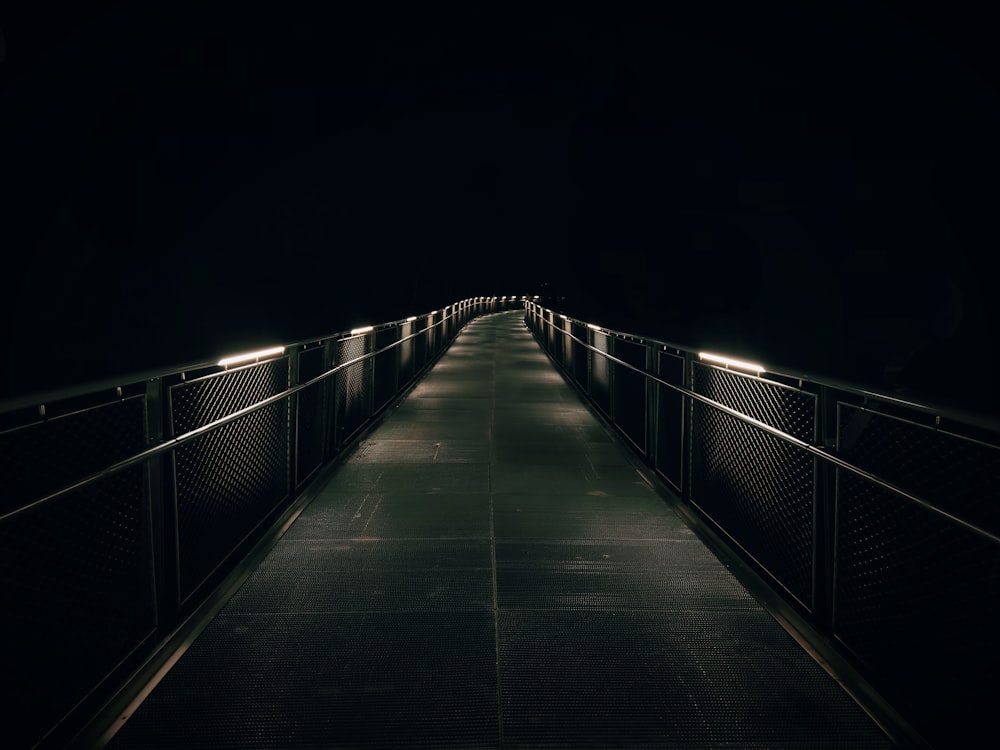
(813, 188)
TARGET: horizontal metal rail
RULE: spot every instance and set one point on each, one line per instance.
(797, 442)
(169, 445)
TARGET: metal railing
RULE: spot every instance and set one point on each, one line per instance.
(874, 518)
(124, 506)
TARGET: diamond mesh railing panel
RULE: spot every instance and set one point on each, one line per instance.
(77, 598)
(581, 356)
(310, 419)
(916, 602)
(41, 458)
(600, 372)
(629, 388)
(353, 388)
(386, 368)
(787, 409)
(232, 478)
(670, 420)
(911, 581)
(567, 345)
(407, 363)
(959, 475)
(759, 489)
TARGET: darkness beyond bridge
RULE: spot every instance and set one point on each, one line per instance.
(491, 568)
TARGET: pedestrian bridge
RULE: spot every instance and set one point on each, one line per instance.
(494, 526)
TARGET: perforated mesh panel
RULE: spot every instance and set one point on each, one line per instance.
(76, 597)
(311, 422)
(353, 388)
(600, 372)
(758, 488)
(229, 480)
(630, 392)
(956, 474)
(581, 356)
(419, 345)
(386, 370)
(406, 354)
(916, 593)
(39, 459)
(670, 420)
(916, 600)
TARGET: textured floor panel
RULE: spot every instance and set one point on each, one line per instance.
(614, 574)
(529, 432)
(623, 678)
(422, 451)
(510, 411)
(394, 515)
(409, 477)
(517, 522)
(352, 575)
(557, 479)
(469, 426)
(443, 405)
(328, 681)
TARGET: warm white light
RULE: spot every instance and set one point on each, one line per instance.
(592, 327)
(563, 316)
(363, 329)
(728, 362)
(238, 358)
(536, 296)
(411, 318)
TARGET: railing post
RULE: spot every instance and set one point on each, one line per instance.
(292, 411)
(825, 527)
(163, 526)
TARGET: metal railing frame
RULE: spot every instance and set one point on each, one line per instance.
(556, 333)
(436, 331)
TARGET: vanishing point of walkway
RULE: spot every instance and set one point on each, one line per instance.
(487, 569)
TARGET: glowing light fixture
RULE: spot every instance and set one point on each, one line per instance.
(728, 362)
(251, 356)
(563, 316)
(363, 329)
(411, 318)
(592, 327)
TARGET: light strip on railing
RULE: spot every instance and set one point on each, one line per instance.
(362, 329)
(728, 362)
(238, 358)
(411, 318)
(593, 327)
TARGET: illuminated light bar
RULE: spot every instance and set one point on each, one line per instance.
(238, 358)
(536, 296)
(728, 362)
(363, 329)
(563, 316)
(411, 318)
(592, 327)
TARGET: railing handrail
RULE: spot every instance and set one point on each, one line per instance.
(970, 418)
(53, 395)
(815, 450)
(170, 444)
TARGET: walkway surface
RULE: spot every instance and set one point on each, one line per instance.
(487, 569)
